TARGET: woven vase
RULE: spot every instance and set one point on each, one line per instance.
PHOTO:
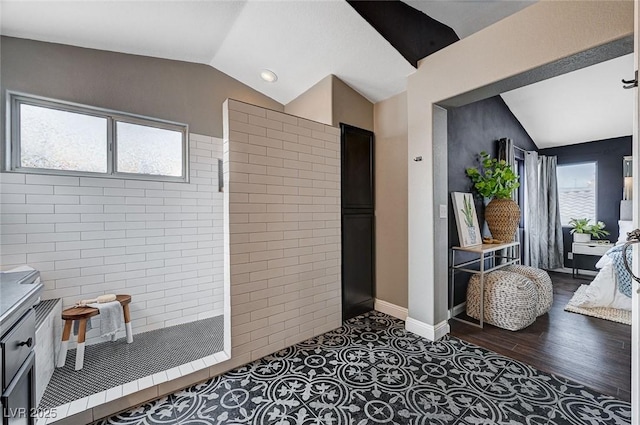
(503, 216)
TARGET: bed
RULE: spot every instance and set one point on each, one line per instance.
(604, 290)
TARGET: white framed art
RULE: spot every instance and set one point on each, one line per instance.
(469, 231)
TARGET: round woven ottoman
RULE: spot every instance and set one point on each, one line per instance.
(510, 300)
(543, 285)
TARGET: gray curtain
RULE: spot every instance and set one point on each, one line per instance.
(543, 238)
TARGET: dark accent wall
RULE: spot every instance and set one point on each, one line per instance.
(412, 33)
(471, 129)
(608, 154)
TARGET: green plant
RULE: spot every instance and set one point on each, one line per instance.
(581, 225)
(467, 210)
(495, 180)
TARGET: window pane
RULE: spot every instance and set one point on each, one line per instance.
(148, 150)
(577, 191)
(61, 140)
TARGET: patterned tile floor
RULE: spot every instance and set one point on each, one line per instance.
(372, 371)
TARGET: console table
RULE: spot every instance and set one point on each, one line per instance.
(496, 255)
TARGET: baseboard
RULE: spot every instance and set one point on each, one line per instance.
(460, 308)
(391, 309)
(430, 332)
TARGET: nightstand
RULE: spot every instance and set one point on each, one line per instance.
(594, 249)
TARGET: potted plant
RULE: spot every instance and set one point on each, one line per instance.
(497, 181)
(583, 231)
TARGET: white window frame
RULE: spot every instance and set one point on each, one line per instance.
(12, 149)
(595, 163)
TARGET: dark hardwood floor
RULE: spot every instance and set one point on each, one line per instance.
(591, 351)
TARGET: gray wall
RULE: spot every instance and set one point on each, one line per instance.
(471, 129)
(160, 88)
(608, 154)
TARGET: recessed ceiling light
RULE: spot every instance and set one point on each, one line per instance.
(268, 76)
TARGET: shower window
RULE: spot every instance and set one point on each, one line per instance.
(54, 137)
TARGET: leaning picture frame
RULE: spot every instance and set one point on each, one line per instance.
(469, 231)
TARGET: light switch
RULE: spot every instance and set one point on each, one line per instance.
(443, 211)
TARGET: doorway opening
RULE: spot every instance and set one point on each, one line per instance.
(559, 342)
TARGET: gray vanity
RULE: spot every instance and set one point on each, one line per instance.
(19, 292)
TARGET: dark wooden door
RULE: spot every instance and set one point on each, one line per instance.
(358, 223)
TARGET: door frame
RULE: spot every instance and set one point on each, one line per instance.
(635, 298)
(534, 44)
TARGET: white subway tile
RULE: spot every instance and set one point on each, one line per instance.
(78, 227)
(13, 218)
(25, 208)
(53, 218)
(25, 189)
(52, 180)
(75, 190)
(52, 199)
(27, 248)
(8, 177)
(92, 218)
(119, 192)
(12, 259)
(101, 200)
(101, 182)
(52, 256)
(78, 209)
(13, 239)
(12, 198)
(82, 244)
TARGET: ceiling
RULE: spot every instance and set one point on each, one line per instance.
(304, 41)
(581, 106)
(468, 16)
(301, 41)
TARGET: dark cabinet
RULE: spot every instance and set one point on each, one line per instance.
(358, 221)
(18, 372)
(357, 169)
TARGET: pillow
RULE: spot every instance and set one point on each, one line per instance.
(625, 227)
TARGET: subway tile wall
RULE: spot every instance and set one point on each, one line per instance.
(282, 224)
(160, 242)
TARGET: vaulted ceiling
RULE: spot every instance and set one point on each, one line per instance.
(582, 106)
(372, 46)
(301, 41)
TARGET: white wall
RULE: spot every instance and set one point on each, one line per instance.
(282, 184)
(160, 242)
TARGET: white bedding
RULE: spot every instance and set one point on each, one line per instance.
(603, 291)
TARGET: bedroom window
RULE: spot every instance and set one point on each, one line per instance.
(54, 137)
(577, 191)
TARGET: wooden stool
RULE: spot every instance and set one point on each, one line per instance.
(82, 314)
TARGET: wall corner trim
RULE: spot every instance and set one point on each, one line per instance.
(391, 309)
(431, 332)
